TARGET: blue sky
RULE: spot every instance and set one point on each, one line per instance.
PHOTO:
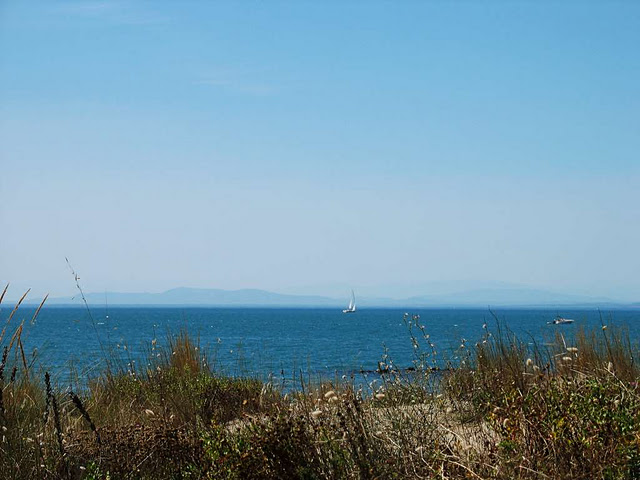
(288, 145)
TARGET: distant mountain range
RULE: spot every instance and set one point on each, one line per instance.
(200, 296)
(253, 297)
(510, 296)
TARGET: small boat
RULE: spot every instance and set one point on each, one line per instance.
(561, 321)
(352, 304)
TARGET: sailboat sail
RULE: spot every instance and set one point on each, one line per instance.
(352, 304)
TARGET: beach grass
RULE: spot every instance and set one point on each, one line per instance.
(501, 409)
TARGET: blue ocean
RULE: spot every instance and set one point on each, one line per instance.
(280, 342)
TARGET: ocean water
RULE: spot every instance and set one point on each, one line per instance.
(281, 342)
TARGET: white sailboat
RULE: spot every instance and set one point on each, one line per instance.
(352, 304)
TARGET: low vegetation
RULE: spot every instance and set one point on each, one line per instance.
(501, 409)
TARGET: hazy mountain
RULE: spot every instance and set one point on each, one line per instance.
(508, 296)
(402, 290)
(254, 297)
(199, 296)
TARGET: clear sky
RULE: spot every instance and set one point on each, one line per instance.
(283, 145)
